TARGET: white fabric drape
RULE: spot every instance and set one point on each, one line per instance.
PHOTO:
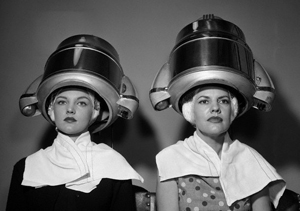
(242, 170)
(80, 165)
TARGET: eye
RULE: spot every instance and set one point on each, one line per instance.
(61, 102)
(82, 103)
(202, 101)
(224, 101)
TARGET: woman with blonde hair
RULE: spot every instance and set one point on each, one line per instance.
(83, 90)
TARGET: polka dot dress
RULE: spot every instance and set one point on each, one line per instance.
(205, 194)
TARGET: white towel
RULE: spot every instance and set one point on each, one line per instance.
(242, 170)
(80, 165)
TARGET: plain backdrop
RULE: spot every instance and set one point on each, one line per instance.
(144, 32)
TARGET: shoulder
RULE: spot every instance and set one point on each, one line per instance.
(177, 151)
(244, 148)
(171, 150)
(113, 164)
(20, 165)
(108, 156)
(110, 152)
(172, 160)
(18, 170)
(21, 161)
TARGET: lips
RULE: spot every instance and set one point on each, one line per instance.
(70, 119)
(215, 119)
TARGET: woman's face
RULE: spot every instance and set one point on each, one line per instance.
(72, 111)
(212, 111)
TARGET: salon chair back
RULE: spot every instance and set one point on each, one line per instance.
(145, 200)
(290, 201)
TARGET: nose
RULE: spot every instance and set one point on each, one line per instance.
(70, 110)
(215, 108)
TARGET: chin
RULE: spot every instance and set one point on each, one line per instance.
(70, 132)
(213, 133)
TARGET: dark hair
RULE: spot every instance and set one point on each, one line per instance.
(188, 96)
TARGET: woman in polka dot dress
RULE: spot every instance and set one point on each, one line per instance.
(209, 171)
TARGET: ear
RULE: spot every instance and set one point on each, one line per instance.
(234, 108)
(187, 112)
(51, 112)
(96, 111)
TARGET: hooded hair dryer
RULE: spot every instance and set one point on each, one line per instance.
(86, 61)
(211, 50)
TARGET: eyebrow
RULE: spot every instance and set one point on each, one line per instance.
(78, 98)
(205, 96)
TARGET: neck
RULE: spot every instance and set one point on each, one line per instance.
(74, 137)
(215, 142)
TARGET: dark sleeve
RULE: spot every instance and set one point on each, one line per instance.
(123, 196)
(16, 197)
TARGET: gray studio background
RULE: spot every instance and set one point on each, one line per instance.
(143, 32)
